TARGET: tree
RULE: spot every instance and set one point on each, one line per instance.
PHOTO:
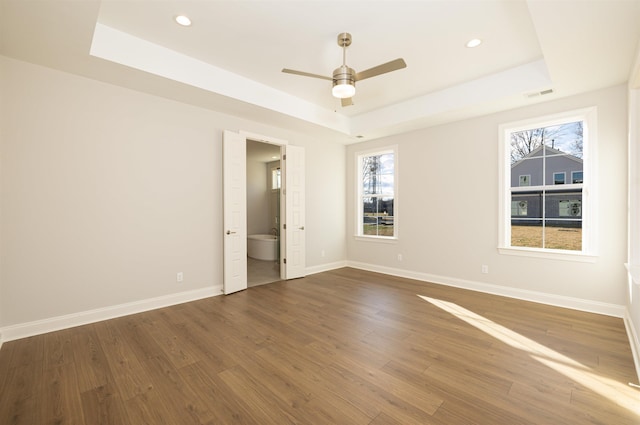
(370, 173)
(576, 145)
(556, 137)
(526, 141)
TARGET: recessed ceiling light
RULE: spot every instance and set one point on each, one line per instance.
(183, 20)
(474, 42)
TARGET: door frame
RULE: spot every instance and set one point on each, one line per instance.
(281, 143)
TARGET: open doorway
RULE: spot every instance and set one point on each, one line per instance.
(264, 182)
(291, 230)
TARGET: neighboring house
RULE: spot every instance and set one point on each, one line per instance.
(547, 179)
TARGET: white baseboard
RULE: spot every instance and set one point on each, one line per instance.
(23, 330)
(522, 294)
(325, 267)
(633, 341)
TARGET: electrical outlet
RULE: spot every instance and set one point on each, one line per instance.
(485, 269)
(399, 257)
(322, 253)
(179, 277)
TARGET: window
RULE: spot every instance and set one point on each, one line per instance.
(276, 178)
(570, 208)
(576, 177)
(548, 216)
(377, 188)
(519, 207)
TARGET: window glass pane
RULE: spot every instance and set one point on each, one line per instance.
(385, 185)
(563, 235)
(387, 163)
(385, 217)
(527, 171)
(526, 233)
(564, 138)
(378, 219)
(543, 158)
(371, 174)
(526, 219)
(563, 224)
(370, 216)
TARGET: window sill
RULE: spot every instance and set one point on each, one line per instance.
(549, 254)
(377, 239)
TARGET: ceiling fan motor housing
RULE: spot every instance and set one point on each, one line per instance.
(344, 75)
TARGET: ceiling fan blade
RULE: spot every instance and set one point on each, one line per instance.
(346, 101)
(381, 69)
(306, 74)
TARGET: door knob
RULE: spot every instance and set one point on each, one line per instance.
(229, 232)
(301, 228)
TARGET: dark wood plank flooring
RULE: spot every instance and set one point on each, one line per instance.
(341, 347)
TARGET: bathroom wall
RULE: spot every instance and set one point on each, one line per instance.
(257, 196)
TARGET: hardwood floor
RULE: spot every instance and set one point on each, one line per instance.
(341, 347)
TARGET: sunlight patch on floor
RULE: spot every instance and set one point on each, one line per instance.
(622, 395)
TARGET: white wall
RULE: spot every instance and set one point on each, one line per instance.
(108, 192)
(448, 209)
(633, 300)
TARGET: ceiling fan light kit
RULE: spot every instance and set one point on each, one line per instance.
(344, 82)
(344, 78)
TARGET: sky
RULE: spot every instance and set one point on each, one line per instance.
(565, 137)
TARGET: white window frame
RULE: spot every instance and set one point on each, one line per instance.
(589, 186)
(358, 180)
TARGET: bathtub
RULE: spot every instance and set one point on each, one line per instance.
(262, 247)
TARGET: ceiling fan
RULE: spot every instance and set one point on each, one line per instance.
(344, 78)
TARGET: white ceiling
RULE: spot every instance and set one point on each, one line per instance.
(231, 58)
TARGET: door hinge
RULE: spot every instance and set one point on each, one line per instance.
(284, 157)
(284, 226)
(284, 260)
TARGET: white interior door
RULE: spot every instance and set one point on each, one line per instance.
(234, 170)
(293, 229)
